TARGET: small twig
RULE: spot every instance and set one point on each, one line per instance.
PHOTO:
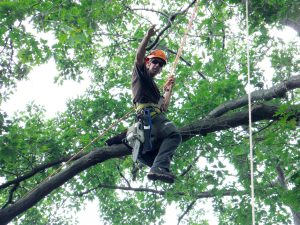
(171, 19)
(122, 175)
(187, 63)
(10, 197)
(190, 206)
(189, 167)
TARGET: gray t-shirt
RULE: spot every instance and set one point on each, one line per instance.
(144, 89)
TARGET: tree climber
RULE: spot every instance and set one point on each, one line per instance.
(150, 106)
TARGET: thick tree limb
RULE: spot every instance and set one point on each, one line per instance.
(209, 125)
(277, 91)
(38, 169)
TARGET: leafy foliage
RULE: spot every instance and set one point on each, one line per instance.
(101, 37)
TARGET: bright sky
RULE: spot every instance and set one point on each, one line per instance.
(90, 215)
(41, 89)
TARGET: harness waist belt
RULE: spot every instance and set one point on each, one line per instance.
(139, 106)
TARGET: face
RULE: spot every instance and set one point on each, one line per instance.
(155, 66)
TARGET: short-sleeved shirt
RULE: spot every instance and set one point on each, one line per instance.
(144, 89)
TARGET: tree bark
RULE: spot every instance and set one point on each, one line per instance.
(209, 125)
(277, 91)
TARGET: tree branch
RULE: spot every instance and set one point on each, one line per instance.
(277, 91)
(38, 169)
(123, 176)
(187, 63)
(11, 193)
(190, 206)
(209, 125)
(205, 194)
(190, 166)
(54, 182)
(171, 19)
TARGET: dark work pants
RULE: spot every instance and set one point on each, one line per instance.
(165, 139)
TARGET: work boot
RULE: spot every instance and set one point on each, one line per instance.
(162, 174)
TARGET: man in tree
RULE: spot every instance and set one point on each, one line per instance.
(164, 137)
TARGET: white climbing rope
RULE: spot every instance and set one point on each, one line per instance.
(250, 116)
(193, 16)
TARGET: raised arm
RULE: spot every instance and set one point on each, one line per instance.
(141, 51)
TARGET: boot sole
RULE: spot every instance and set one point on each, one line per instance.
(161, 177)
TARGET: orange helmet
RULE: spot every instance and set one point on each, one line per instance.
(157, 53)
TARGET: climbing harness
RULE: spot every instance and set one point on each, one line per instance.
(250, 117)
(147, 125)
(138, 136)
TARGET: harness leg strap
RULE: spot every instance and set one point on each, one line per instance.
(147, 123)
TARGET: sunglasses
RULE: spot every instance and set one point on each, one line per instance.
(160, 63)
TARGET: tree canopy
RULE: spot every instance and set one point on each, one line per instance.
(44, 180)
